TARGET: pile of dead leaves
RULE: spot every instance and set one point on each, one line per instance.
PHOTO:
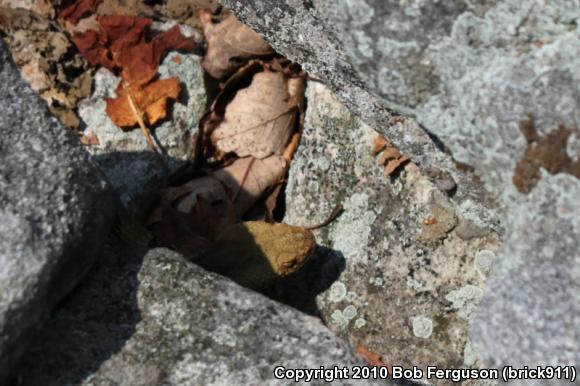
(220, 211)
(47, 59)
(229, 194)
(245, 146)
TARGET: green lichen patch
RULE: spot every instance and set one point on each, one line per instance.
(389, 273)
(422, 327)
(465, 300)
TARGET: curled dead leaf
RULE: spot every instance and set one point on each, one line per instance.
(121, 45)
(98, 46)
(141, 8)
(229, 42)
(259, 119)
(74, 12)
(391, 157)
(260, 176)
(371, 357)
(90, 139)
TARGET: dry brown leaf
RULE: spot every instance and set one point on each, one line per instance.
(186, 196)
(151, 99)
(228, 40)
(88, 23)
(178, 231)
(191, 216)
(121, 44)
(44, 8)
(47, 60)
(186, 11)
(259, 120)
(115, 33)
(296, 88)
(80, 9)
(126, 7)
(391, 157)
(261, 175)
(90, 139)
(370, 357)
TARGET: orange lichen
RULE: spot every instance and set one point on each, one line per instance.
(547, 152)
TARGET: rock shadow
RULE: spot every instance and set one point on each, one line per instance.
(102, 313)
(89, 326)
(300, 289)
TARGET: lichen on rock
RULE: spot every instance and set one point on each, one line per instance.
(393, 271)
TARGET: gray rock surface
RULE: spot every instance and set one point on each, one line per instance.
(504, 79)
(55, 212)
(152, 318)
(124, 156)
(540, 272)
(472, 73)
(382, 277)
(311, 33)
(301, 31)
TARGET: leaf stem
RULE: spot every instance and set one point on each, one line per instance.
(144, 129)
(244, 178)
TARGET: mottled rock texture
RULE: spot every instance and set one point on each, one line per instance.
(152, 318)
(475, 74)
(300, 30)
(311, 33)
(124, 156)
(55, 212)
(397, 271)
(539, 274)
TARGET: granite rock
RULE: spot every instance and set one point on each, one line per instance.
(496, 85)
(539, 272)
(314, 34)
(397, 271)
(151, 317)
(301, 31)
(55, 212)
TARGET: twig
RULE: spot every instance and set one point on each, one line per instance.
(246, 173)
(144, 129)
(292, 145)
